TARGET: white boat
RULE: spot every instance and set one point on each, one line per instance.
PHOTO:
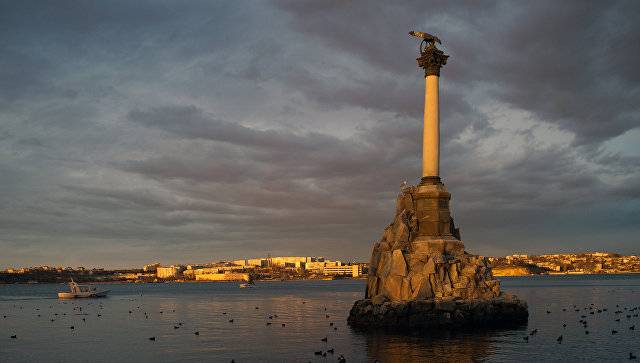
(245, 285)
(81, 291)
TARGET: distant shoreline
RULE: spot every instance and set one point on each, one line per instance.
(295, 280)
(171, 281)
(567, 274)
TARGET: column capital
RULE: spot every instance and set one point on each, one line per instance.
(431, 59)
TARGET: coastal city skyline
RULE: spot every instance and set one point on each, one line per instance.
(552, 262)
(130, 131)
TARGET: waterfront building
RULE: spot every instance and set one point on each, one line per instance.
(347, 270)
(189, 274)
(279, 261)
(214, 273)
(226, 276)
(319, 266)
(252, 262)
(290, 261)
(136, 276)
(170, 272)
(231, 268)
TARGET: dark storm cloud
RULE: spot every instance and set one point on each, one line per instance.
(139, 131)
(549, 58)
(287, 154)
(191, 122)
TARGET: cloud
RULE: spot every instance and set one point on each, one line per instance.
(550, 63)
(142, 131)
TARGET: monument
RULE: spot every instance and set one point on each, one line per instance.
(420, 275)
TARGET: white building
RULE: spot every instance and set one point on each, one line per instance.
(170, 272)
(252, 262)
(352, 270)
(319, 266)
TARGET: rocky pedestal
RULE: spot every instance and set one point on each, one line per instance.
(421, 276)
(438, 314)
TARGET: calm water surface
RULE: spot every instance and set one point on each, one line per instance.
(122, 332)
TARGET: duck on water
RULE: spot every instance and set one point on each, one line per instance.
(81, 291)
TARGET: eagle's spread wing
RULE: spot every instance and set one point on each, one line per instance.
(426, 36)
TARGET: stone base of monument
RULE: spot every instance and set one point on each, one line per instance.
(501, 312)
(421, 277)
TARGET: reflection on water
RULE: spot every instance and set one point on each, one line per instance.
(287, 321)
(441, 347)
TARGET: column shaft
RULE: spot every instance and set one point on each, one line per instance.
(431, 132)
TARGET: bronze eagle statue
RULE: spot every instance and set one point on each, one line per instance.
(426, 36)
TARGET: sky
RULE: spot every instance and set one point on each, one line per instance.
(173, 131)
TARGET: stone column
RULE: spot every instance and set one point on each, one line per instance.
(431, 131)
(431, 60)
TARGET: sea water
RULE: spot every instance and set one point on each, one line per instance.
(287, 321)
